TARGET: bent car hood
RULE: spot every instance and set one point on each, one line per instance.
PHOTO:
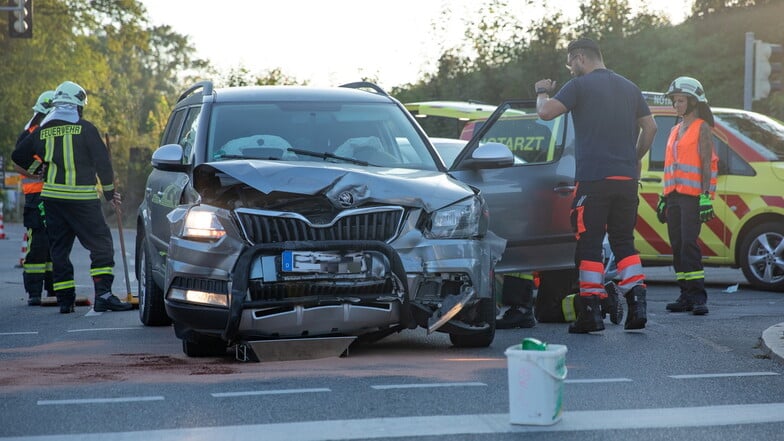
(344, 184)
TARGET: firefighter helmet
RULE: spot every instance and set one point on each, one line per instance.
(44, 103)
(70, 93)
(688, 86)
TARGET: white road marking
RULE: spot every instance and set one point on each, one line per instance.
(104, 329)
(731, 374)
(20, 333)
(424, 385)
(598, 380)
(440, 425)
(99, 400)
(269, 392)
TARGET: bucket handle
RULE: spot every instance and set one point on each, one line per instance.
(551, 373)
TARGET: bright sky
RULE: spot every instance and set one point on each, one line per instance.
(330, 42)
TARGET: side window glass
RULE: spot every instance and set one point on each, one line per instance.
(531, 140)
(173, 127)
(730, 163)
(656, 155)
(188, 134)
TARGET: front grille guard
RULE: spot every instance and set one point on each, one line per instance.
(241, 274)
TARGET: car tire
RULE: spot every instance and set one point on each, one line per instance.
(485, 314)
(205, 347)
(761, 254)
(152, 310)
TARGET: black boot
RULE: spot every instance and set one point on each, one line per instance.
(110, 302)
(589, 315)
(683, 304)
(637, 316)
(66, 302)
(612, 305)
(518, 293)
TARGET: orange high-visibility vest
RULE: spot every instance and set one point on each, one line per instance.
(682, 166)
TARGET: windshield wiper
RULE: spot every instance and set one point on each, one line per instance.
(327, 155)
(245, 157)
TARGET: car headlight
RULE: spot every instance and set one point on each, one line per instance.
(462, 220)
(202, 224)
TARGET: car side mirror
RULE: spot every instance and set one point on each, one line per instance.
(169, 158)
(489, 155)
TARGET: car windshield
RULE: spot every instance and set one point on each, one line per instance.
(765, 135)
(365, 134)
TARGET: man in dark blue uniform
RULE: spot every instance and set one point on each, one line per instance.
(614, 129)
(74, 154)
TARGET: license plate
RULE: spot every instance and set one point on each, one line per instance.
(323, 262)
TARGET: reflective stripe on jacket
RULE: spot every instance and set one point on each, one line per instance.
(682, 166)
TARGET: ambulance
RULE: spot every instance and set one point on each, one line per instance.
(747, 232)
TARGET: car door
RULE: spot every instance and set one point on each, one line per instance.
(530, 201)
(165, 186)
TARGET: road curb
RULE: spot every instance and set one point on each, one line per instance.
(773, 341)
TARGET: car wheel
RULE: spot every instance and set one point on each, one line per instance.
(762, 256)
(205, 347)
(485, 313)
(152, 310)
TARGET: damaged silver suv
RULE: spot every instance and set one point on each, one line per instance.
(297, 213)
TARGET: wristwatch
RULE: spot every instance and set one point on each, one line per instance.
(541, 90)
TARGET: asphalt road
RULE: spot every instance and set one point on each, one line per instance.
(91, 376)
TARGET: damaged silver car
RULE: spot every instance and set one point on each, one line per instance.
(300, 214)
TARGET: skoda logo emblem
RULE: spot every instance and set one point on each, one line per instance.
(345, 199)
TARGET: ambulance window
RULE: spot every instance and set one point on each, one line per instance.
(730, 163)
(656, 155)
(531, 140)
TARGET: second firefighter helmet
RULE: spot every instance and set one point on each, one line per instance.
(69, 93)
(688, 86)
(44, 102)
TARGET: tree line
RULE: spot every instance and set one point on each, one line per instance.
(133, 71)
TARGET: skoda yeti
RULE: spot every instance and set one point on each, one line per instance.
(294, 213)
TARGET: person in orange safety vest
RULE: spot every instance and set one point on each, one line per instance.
(690, 169)
(37, 267)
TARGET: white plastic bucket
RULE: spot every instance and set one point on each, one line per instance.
(536, 380)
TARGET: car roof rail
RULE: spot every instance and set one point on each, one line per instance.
(656, 99)
(366, 85)
(206, 85)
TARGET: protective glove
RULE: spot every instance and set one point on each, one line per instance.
(661, 209)
(706, 208)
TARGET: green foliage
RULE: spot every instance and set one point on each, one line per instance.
(644, 47)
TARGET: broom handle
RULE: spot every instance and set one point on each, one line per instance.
(122, 248)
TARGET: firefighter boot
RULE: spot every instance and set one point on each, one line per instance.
(637, 315)
(612, 305)
(66, 300)
(109, 302)
(518, 293)
(683, 304)
(589, 315)
(33, 284)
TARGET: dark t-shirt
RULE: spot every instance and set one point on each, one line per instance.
(605, 108)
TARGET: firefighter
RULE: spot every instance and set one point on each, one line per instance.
(690, 169)
(37, 267)
(614, 129)
(74, 154)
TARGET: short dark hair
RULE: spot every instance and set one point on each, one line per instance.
(586, 44)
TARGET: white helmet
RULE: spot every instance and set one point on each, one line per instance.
(688, 86)
(44, 103)
(69, 93)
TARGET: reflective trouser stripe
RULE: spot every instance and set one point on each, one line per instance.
(692, 275)
(630, 273)
(67, 284)
(592, 278)
(106, 270)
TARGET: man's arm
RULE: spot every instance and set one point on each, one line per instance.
(547, 108)
(647, 133)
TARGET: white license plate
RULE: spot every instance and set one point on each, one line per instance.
(323, 262)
